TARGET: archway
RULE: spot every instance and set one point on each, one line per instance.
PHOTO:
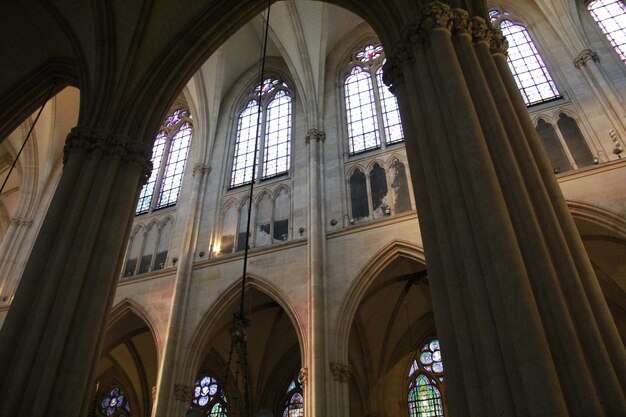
(274, 353)
(393, 316)
(127, 371)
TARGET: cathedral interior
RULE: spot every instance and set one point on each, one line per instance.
(307, 208)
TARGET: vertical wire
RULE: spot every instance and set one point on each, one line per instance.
(254, 161)
(27, 136)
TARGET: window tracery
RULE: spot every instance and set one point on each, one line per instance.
(169, 157)
(209, 396)
(148, 247)
(114, 403)
(529, 70)
(270, 134)
(372, 197)
(369, 103)
(426, 379)
(610, 15)
(294, 400)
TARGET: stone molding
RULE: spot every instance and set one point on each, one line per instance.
(585, 56)
(85, 140)
(436, 16)
(183, 393)
(340, 371)
(316, 135)
(21, 221)
(303, 376)
(201, 169)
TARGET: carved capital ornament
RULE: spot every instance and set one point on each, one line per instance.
(86, 141)
(315, 135)
(341, 372)
(585, 56)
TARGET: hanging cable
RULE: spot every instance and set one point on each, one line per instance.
(27, 136)
(241, 321)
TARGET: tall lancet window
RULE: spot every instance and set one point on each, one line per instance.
(426, 391)
(294, 400)
(169, 157)
(373, 118)
(273, 128)
(530, 72)
(610, 15)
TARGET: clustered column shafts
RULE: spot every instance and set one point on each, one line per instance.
(516, 300)
(70, 279)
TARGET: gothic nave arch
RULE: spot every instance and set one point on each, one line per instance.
(129, 360)
(395, 307)
(274, 346)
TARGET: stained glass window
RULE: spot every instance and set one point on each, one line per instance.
(208, 395)
(530, 72)
(269, 131)
(610, 15)
(426, 378)
(169, 157)
(369, 103)
(294, 403)
(115, 403)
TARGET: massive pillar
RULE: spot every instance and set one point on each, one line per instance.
(49, 344)
(525, 329)
(316, 400)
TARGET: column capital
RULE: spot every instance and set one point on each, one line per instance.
(21, 221)
(201, 169)
(86, 140)
(183, 393)
(585, 56)
(316, 135)
(303, 376)
(341, 372)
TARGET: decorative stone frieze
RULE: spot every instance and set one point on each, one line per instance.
(201, 169)
(84, 140)
(340, 371)
(316, 135)
(303, 376)
(183, 393)
(437, 15)
(585, 56)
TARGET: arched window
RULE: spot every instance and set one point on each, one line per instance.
(531, 75)
(426, 391)
(169, 156)
(610, 15)
(208, 396)
(114, 403)
(370, 104)
(274, 134)
(294, 401)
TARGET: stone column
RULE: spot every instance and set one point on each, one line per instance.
(515, 299)
(12, 244)
(316, 400)
(174, 352)
(587, 61)
(50, 341)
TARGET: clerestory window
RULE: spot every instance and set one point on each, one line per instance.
(169, 157)
(610, 15)
(267, 126)
(529, 70)
(114, 403)
(373, 118)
